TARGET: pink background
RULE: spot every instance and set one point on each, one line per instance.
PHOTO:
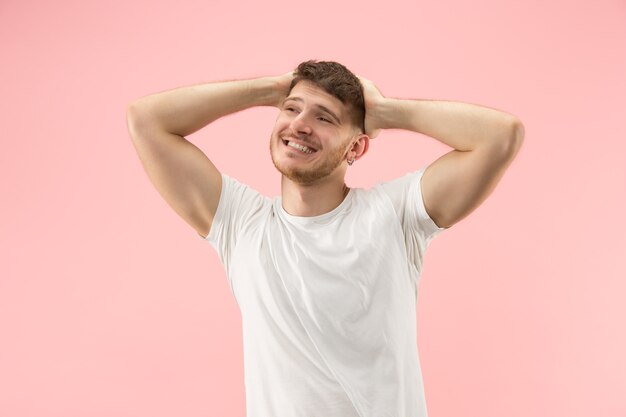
(111, 305)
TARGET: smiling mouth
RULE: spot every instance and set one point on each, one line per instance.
(298, 147)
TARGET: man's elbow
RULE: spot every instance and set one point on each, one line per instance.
(517, 137)
(511, 143)
(136, 119)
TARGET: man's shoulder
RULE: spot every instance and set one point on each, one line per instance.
(243, 187)
(241, 202)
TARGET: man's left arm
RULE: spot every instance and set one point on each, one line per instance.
(485, 142)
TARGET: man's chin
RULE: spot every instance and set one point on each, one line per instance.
(299, 177)
(309, 176)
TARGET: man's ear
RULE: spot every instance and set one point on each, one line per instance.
(361, 145)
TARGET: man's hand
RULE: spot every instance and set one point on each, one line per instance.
(373, 99)
(282, 87)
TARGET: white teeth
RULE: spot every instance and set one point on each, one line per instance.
(300, 147)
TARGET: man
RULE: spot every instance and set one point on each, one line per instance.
(325, 275)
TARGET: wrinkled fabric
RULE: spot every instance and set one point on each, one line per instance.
(328, 302)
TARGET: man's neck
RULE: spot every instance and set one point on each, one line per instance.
(312, 200)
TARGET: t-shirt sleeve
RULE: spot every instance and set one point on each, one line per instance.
(237, 205)
(419, 228)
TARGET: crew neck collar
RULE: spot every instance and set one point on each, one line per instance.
(308, 220)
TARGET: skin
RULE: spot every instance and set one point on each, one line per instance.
(484, 141)
(314, 184)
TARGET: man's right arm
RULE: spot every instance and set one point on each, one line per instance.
(178, 169)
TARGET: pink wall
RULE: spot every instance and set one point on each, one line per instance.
(110, 304)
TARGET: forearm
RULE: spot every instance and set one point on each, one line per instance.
(185, 110)
(462, 126)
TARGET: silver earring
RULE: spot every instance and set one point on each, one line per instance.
(350, 161)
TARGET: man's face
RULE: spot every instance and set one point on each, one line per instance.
(313, 118)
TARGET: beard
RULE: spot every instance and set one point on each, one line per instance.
(314, 172)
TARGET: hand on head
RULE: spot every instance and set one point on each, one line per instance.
(373, 98)
(282, 84)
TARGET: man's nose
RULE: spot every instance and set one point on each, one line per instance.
(300, 124)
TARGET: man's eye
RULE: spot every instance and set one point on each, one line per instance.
(290, 109)
(325, 119)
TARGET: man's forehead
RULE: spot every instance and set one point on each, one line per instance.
(311, 94)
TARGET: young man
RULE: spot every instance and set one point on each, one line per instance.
(325, 275)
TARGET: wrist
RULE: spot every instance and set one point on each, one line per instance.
(266, 91)
(382, 112)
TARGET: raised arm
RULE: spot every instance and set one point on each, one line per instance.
(485, 142)
(179, 170)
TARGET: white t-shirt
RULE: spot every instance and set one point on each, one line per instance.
(328, 302)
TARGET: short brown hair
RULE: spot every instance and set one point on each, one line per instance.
(338, 81)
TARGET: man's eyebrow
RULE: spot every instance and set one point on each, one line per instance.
(319, 106)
